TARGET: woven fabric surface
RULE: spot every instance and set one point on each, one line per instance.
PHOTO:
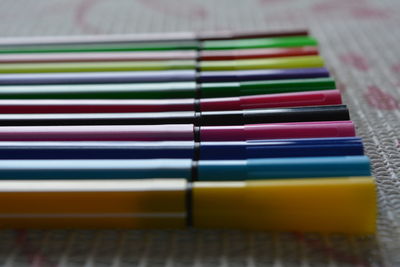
(359, 40)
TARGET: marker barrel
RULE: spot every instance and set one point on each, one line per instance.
(345, 205)
(102, 47)
(164, 90)
(98, 77)
(123, 56)
(98, 66)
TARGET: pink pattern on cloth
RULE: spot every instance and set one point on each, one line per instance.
(33, 255)
(330, 251)
(396, 68)
(184, 9)
(379, 99)
(370, 12)
(359, 9)
(80, 16)
(341, 86)
(355, 60)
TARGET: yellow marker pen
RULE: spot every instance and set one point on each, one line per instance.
(342, 205)
(223, 65)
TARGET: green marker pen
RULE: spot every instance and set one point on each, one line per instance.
(163, 90)
(269, 42)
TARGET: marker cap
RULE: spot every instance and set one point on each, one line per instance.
(308, 147)
(265, 87)
(261, 75)
(278, 131)
(255, 53)
(249, 116)
(271, 42)
(269, 63)
(340, 205)
(313, 98)
(228, 35)
(267, 168)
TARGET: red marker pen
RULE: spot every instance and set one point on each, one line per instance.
(311, 98)
(208, 55)
(179, 132)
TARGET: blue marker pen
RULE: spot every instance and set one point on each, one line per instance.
(313, 147)
(201, 170)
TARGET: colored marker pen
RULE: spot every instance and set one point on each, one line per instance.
(309, 147)
(344, 205)
(178, 132)
(242, 64)
(301, 99)
(194, 170)
(205, 118)
(159, 76)
(208, 55)
(144, 37)
(166, 90)
(266, 42)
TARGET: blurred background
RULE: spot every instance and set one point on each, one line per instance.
(359, 40)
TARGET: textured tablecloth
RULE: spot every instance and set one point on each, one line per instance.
(359, 40)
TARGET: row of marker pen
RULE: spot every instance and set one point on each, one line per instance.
(178, 130)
